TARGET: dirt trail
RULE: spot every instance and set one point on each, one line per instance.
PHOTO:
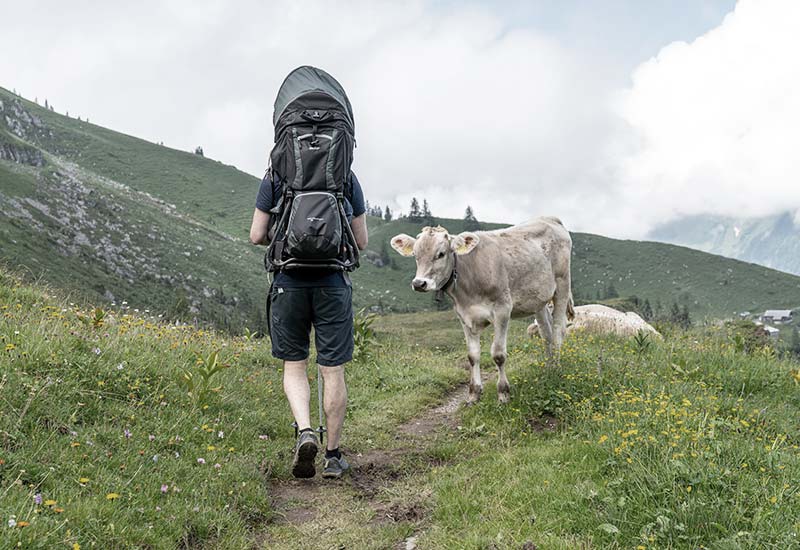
(306, 504)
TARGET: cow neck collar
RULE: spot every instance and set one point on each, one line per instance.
(451, 281)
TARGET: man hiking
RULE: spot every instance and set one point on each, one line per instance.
(310, 210)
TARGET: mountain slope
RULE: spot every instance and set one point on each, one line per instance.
(115, 218)
(773, 241)
(100, 213)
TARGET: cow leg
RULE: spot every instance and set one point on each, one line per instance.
(560, 304)
(499, 354)
(473, 337)
(544, 319)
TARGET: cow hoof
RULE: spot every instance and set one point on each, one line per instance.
(474, 394)
(504, 397)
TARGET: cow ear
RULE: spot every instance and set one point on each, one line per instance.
(464, 243)
(404, 244)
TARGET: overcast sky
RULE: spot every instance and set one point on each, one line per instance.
(613, 115)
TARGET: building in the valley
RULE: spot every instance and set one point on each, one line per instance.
(777, 316)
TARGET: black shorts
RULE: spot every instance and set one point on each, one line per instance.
(293, 311)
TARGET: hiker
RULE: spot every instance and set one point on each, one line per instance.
(310, 211)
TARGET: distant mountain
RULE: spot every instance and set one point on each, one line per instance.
(772, 241)
(111, 217)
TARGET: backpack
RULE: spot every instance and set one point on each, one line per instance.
(311, 158)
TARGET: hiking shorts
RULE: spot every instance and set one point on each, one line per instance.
(293, 311)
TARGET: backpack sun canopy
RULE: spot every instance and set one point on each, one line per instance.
(304, 80)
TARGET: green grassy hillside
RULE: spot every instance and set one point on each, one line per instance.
(118, 219)
(689, 443)
(115, 218)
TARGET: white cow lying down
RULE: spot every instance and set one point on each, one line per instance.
(601, 319)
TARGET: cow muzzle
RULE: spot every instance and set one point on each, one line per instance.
(420, 285)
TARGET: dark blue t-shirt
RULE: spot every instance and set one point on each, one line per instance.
(354, 206)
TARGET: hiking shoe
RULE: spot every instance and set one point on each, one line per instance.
(305, 451)
(335, 467)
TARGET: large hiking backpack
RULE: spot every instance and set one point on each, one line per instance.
(314, 142)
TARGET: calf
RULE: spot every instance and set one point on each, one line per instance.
(493, 276)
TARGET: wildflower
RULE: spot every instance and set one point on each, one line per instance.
(76, 546)
(58, 510)
(217, 466)
(12, 522)
(201, 460)
(263, 437)
(221, 434)
(83, 480)
(127, 433)
(22, 524)
(49, 502)
(151, 437)
(37, 499)
(164, 488)
(211, 448)
(155, 458)
(96, 351)
(112, 496)
(603, 439)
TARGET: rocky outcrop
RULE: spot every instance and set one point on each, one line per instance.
(21, 154)
(22, 123)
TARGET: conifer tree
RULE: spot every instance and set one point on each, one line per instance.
(414, 213)
(470, 221)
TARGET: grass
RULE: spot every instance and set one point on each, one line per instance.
(685, 443)
(690, 445)
(93, 418)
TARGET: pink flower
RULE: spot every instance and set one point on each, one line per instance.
(217, 466)
(151, 437)
(201, 460)
(37, 498)
(127, 433)
(263, 437)
(164, 488)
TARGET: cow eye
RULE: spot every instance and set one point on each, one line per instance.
(440, 255)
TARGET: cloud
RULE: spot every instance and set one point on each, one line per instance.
(451, 102)
(454, 102)
(713, 125)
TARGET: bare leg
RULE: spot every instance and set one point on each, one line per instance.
(295, 386)
(544, 320)
(335, 403)
(473, 337)
(499, 354)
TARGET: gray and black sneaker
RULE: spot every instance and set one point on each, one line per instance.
(305, 451)
(335, 467)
